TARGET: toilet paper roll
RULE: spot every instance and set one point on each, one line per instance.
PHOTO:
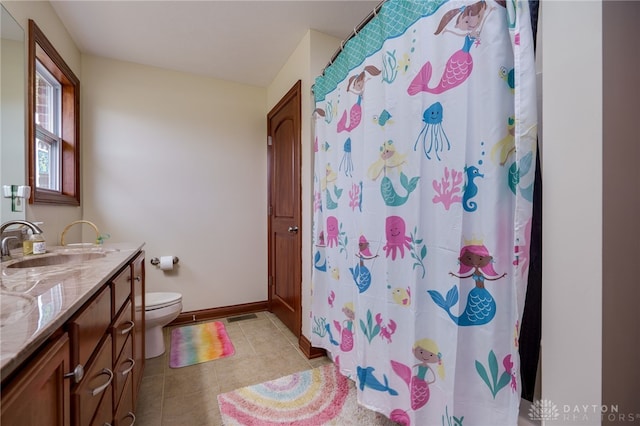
(166, 263)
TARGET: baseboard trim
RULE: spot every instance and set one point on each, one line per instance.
(309, 351)
(225, 311)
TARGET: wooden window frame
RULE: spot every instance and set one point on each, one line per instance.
(43, 50)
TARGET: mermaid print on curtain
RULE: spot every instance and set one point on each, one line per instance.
(425, 133)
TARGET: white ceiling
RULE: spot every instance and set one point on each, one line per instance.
(242, 41)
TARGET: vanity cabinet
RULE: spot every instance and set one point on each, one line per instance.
(40, 394)
(103, 343)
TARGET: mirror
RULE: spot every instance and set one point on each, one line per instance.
(12, 113)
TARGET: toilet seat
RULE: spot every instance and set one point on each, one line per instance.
(161, 300)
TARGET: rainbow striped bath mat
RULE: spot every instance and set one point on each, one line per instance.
(193, 344)
(321, 396)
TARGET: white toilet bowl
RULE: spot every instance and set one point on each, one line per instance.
(160, 310)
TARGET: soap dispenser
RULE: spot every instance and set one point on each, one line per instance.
(39, 244)
(27, 243)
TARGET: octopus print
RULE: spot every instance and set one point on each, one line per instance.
(396, 238)
(332, 231)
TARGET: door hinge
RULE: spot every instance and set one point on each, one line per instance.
(269, 140)
(270, 281)
(270, 210)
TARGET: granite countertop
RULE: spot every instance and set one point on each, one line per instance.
(36, 301)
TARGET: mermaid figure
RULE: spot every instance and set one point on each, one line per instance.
(426, 352)
(476, 263)
(459, 66)
(356, 85)
(345, 329)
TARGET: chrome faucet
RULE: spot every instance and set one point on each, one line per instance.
(4, 250)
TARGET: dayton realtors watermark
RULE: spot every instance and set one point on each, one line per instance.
(546, 410)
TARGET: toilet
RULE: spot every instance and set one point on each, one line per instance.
(160, 310)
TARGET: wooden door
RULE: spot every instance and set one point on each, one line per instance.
(285, 205)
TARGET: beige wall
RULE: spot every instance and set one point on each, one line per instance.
(179, 161)
(305, 64)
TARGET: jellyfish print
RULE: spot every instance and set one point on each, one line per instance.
(346, 162)
(432, 134)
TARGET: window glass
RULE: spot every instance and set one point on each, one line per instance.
(47, 120)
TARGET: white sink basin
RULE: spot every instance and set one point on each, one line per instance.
(55, 259)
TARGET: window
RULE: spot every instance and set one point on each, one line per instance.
(54, 123)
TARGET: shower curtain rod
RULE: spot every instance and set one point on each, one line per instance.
(364, 22)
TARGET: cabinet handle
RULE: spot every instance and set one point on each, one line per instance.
(138, 278)
(133, 418)
(292, 229)
(128, 370)
(103, 387)
(77, 373)
(127, 330)
(106, 424)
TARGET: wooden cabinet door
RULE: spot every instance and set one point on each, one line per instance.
(137, 295)
(39, 395)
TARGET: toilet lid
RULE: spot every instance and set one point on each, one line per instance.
(161, 300)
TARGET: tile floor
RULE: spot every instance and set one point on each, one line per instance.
(187, 396)
(265, 350)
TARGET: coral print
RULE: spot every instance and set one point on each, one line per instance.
(355, 196)
(469, 22)
(449, 188)
(427, 353)
(477, 263)
(396, 239)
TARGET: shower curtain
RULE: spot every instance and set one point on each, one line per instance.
(425, 144)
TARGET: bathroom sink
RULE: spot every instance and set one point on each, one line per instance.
(14, 306)
(56, 259)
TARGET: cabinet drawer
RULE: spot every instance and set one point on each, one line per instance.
(124, 415)
(89, 326)
(95, 385)
(121, 289)
(122, 370)
(104, 413)
(122, 328)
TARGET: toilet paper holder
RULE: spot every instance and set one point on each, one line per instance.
(156, 261)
